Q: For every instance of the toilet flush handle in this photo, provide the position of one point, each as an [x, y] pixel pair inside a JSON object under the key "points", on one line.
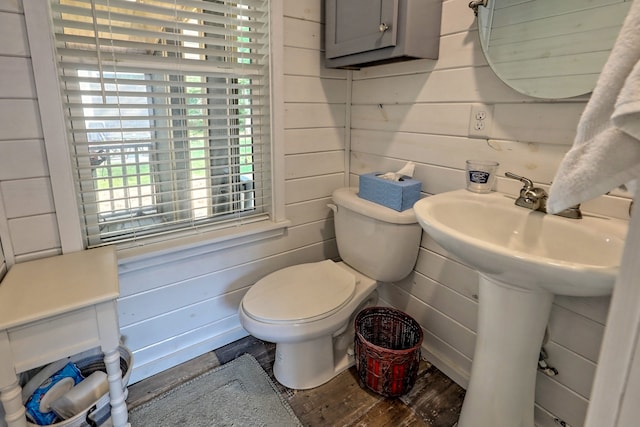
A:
{"points": [[333, 207]]}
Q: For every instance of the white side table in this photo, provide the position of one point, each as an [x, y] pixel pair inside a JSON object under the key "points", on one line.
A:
{"points": [[57, 307]]}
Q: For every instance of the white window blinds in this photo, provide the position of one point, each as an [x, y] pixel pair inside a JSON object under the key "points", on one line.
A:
{"points": [[167, 106]]}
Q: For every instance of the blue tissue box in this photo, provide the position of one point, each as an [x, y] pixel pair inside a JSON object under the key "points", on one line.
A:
{"points": [[398, 195]]}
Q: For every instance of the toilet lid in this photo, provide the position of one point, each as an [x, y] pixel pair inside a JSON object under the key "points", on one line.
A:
{"points": [[304, 292]]}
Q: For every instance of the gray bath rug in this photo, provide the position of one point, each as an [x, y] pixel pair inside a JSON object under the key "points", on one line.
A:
{"points": [[238, 393]]}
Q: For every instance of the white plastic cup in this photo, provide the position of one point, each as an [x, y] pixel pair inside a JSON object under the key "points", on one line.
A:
{"points": [[481, 175]]}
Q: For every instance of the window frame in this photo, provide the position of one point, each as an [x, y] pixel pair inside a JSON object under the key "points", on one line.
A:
{"points": [[41, 43]]}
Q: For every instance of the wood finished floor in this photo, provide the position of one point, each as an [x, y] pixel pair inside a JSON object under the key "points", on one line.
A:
{"points": [[434, 401]]}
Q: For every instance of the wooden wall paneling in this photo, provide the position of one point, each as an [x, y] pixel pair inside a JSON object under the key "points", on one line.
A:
{"points": [[544, 418], [298, 141], [574, 371], [434, 179], [34, 233], [20, 159], [533, 122], [27, 197], [561, 401], [304, 34], [456, 17], [182, 319], [593, 308], [454, 364], [16, 75], [197, 341], [441, 325], [443, 119], [535, 160], [456, 51], [447, 86], [442, 298], [299, 116], [309, 211], [308, 62], [437, 179], [613, 205], [14, 6], [579, 334], [313, 89], [308, 10], [417, 66], [430, 244], [313, 164], [138, 277], [454, 275], [13, 33], [20, 119], [298, 190], [158, 300], [460, 50]]}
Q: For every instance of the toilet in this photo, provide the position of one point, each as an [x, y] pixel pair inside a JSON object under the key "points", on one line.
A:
{"points": [[308, 310]]}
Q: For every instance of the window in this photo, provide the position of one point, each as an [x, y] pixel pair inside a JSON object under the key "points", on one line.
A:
{"points": [[167, 108]]}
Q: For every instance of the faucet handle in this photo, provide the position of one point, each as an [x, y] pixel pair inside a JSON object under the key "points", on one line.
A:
{"points": [[528, 184]]}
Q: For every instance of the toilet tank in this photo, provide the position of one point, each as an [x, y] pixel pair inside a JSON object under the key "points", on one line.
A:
{"points": [[377, 241]]}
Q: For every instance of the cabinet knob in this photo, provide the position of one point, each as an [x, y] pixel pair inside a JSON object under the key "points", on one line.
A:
{"points": [[383, 27]]}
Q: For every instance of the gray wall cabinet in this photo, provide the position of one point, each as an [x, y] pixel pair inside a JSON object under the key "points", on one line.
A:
{"points": [[371, 32]]}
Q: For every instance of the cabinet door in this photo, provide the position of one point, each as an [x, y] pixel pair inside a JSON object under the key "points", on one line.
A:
{"points": [[355, 26]]}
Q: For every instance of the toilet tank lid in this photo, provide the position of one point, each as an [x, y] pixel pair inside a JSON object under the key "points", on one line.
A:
{"points": [[301, 292], [348, 197]]}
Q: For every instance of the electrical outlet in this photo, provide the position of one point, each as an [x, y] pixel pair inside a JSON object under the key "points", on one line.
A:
{"points": [[480, 121]]}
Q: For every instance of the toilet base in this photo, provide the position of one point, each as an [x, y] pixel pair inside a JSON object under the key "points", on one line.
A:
{"points": [[310, 354], [308, 364]]}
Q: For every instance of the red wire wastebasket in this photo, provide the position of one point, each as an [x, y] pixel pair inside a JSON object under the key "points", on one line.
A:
{"points": [[387, 350]]}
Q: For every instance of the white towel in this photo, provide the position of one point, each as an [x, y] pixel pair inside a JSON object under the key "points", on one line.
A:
{"points": [[606, 151]]}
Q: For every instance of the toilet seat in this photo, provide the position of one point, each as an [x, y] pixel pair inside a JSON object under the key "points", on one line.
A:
{"points": [[301, 293]]}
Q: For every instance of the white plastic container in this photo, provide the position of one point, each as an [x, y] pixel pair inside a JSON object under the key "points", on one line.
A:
{"points": [[82, 396], [89, 360]]}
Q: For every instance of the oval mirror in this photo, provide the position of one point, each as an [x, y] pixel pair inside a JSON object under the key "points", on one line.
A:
{"points": [[549, 48]]}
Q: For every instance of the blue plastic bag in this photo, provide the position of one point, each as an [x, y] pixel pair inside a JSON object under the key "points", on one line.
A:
{"points": [[70, 370]]}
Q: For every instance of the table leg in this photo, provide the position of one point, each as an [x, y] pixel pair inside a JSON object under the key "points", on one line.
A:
{"points": [[119, 413], [11, 398]]}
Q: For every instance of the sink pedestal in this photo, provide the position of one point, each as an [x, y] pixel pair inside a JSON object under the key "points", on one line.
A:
{"points": [[511, 327]]}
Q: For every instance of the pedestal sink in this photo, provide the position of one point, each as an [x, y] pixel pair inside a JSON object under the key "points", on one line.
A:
{"points": [[524, 258]]}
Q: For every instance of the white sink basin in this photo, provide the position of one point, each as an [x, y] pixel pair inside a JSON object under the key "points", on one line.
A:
{"points": [[524, 258], [577, 257]]}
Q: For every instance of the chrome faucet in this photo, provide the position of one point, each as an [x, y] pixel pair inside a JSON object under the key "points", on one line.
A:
{"points": [[535, 198]]}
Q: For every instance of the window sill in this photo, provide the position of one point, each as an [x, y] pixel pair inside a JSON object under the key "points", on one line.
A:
{"points": [[150, 252]]}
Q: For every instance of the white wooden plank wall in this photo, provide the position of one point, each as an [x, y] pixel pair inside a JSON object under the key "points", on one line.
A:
{"points": [[28, 227], [181, 305], [420, 111]]}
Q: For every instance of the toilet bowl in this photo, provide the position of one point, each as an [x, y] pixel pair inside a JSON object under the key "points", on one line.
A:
{"points": [[308, 310], [314, 332]]}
